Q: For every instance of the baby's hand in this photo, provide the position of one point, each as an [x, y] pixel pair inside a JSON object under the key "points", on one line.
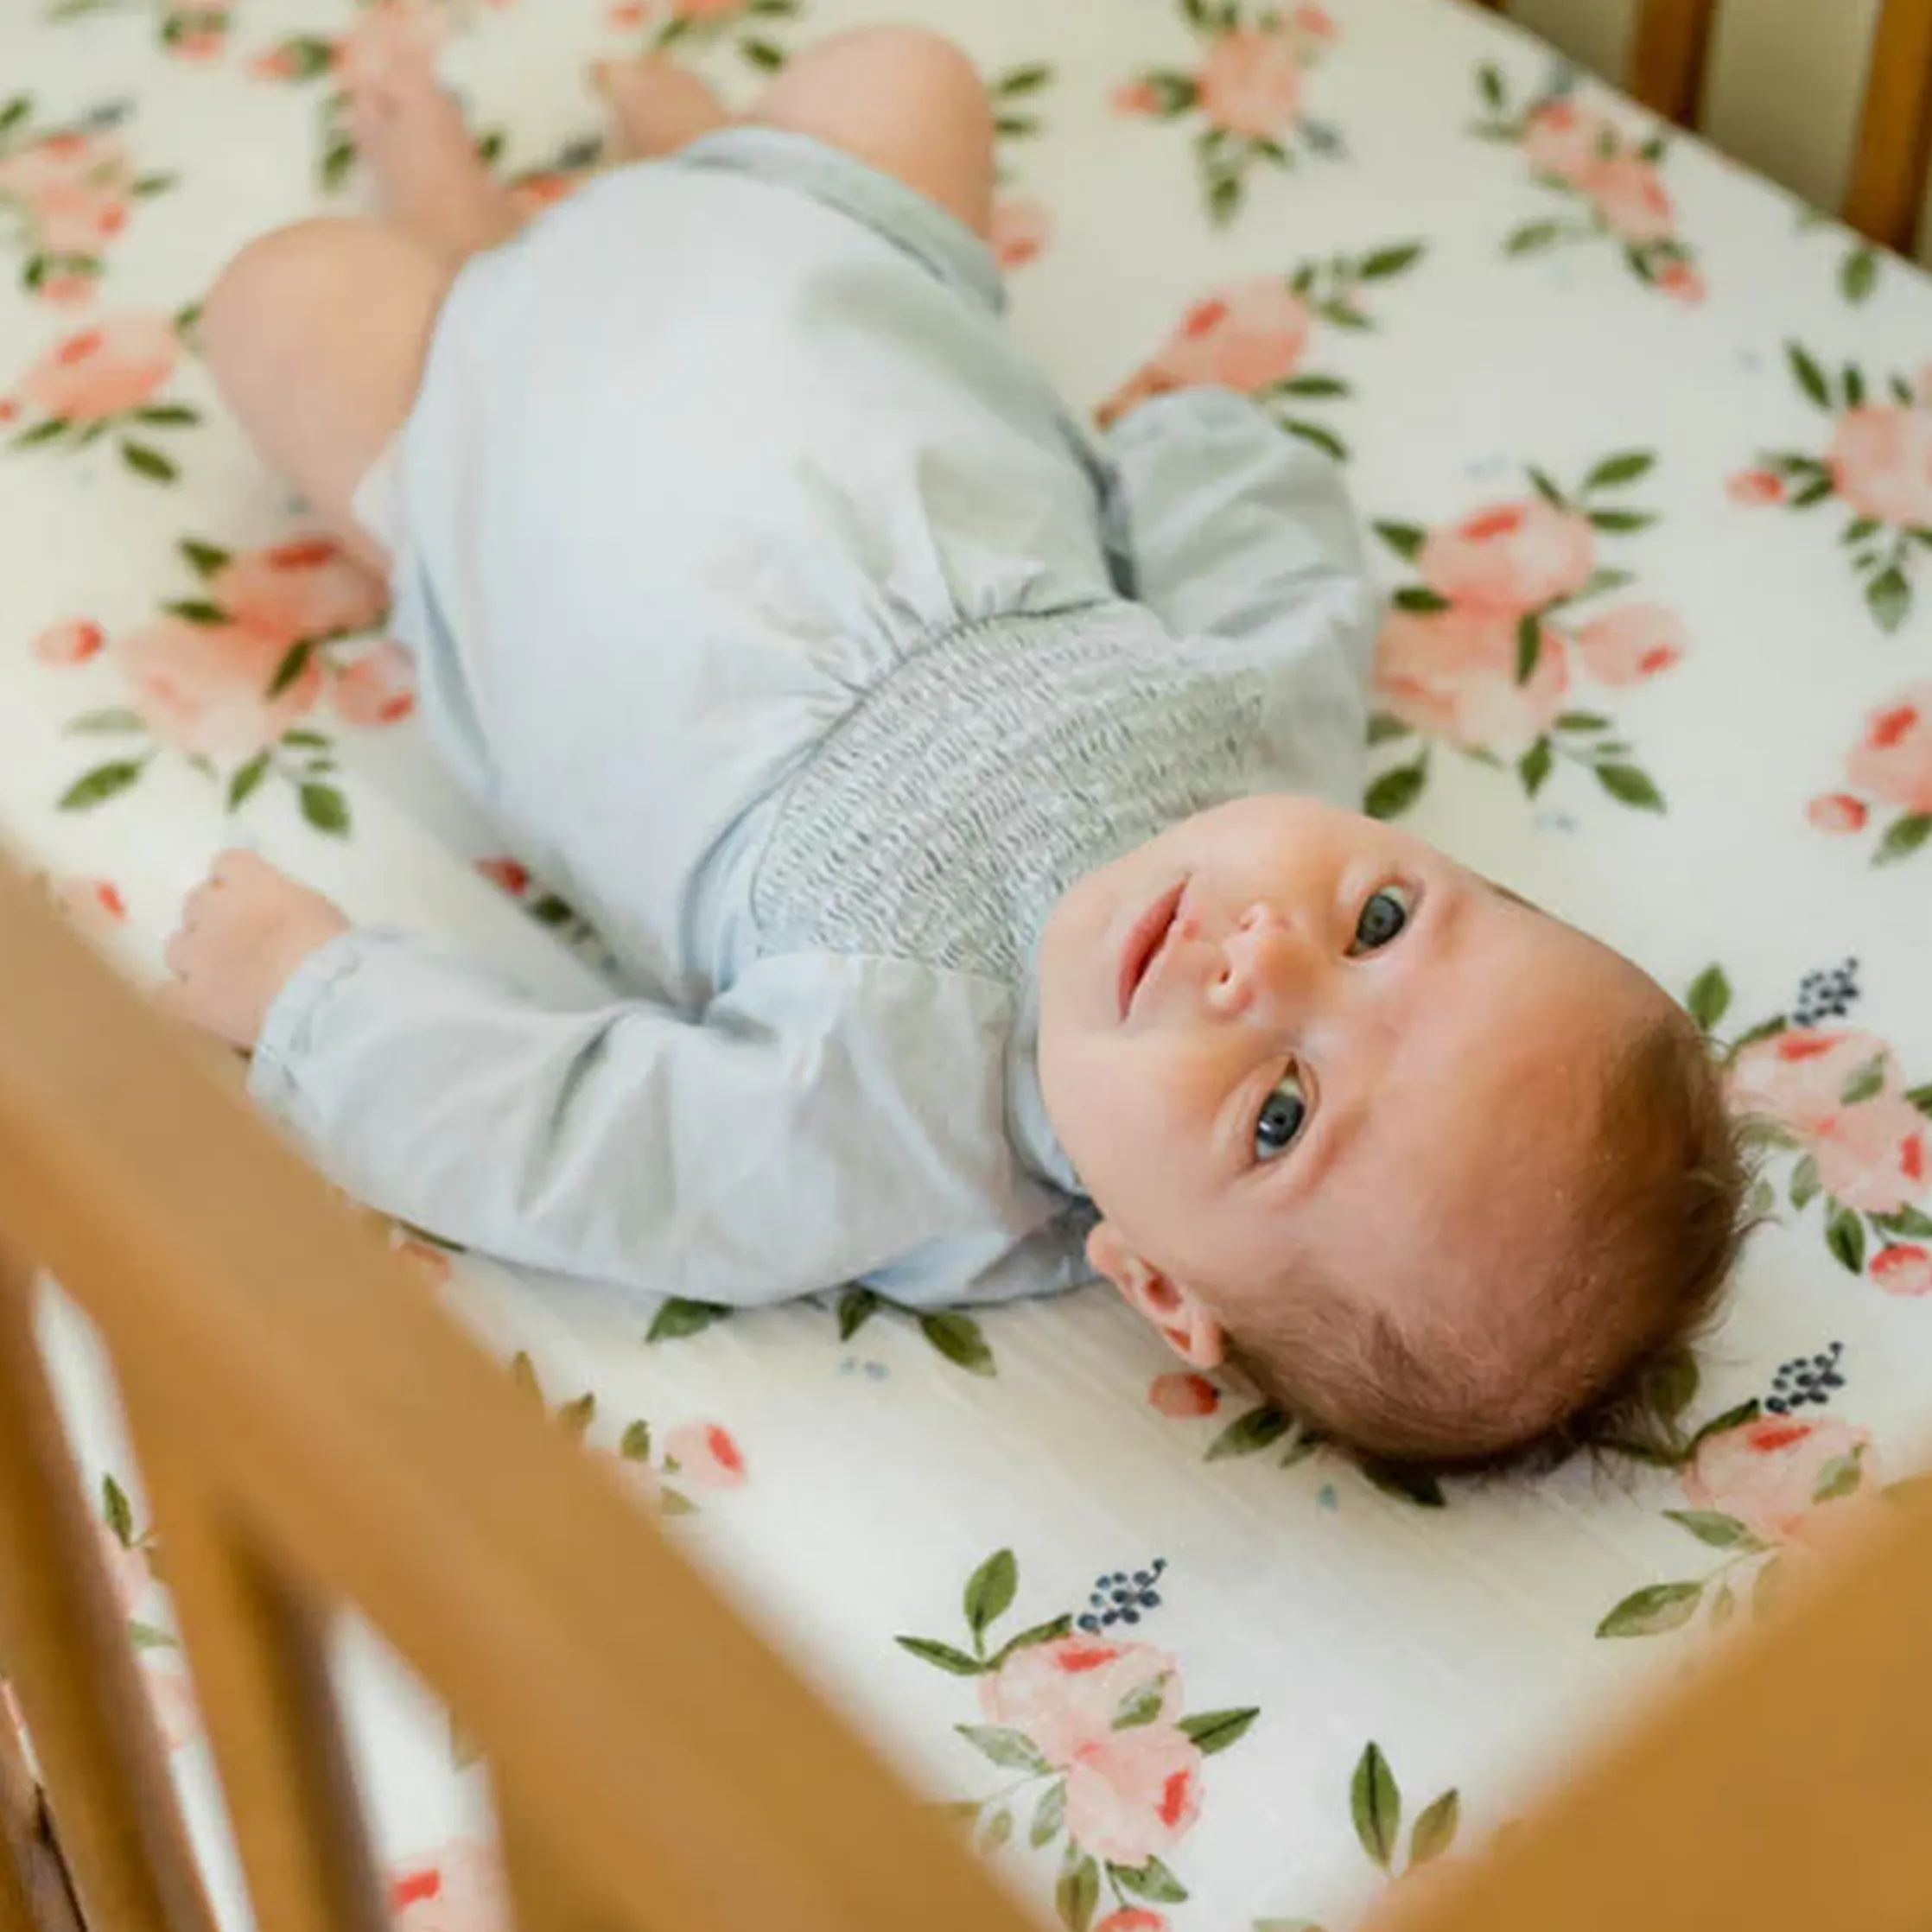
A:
{"points": [[243, 933]]}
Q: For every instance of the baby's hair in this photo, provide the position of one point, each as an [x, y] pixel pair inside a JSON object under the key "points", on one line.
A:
{"points": [[1664, 1207]]}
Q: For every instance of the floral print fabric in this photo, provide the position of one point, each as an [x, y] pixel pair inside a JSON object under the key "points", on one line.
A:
{"points": [[1643, 463]]}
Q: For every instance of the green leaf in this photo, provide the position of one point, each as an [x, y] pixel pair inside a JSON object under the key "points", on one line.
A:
{"points": [[1141, 1705], [1907, 1223], [575, 1417], [146, 462], [146, 1637], [1710, 1526], [1312, 385], [1375, 1802], [1013, 1749], [1845, 1236], [1214, 1731], [1600, 581], [1814, 493], [989, 1592], [856, 1306], [103, 782], [1854, 385], [1382, 727], [325, 808], [958, 1338], [1621, 522], [1858, 275], [1249, 1433], [1734, 1418], [1863, 1082], [196, 610], [1076, 1894], [1530, 645], [1532, 237], [1805, 1183], [930, 1650], [523, 1376], [1903, 836], [204, 559], [1534, 766], [247, 781], [1625, 468], [1053, 1628], [1581, 720], [1223, 199], [1385, 262], [1840, 1476], [1023, 80], [1419, 599], [1406, 1485], [1765, 1029], [1629, 786], [1405, 539], [763, 55], [1652, 1611], [104, 724], [1014, 127], [1152, 1881], [1921, 1097], [117, 1511], [1545, 488], [54, 427], [167, 415], [17, 111], [679, 1317], [634, 1445], [1489, 82], [1434, 1832], [1810, 377], [294, 661], [998, 1829], [1324, 440], [674, 1502], [1709, 999], [1049, 1814], [1394, 792], [1889, 598]]}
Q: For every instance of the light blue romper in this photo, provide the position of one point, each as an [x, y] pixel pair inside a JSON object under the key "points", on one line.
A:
{"points": [[767, 595]]}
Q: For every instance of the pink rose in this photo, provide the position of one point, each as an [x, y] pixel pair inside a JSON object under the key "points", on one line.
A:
{"points": [[1181, 1396], [1251, 83], [1134, 1795], [705, 1454], [1453, 674], [1563, 139], [67, 291], [1874, 1156], [306, 588], [1633, 642], [1682, 282], [1751, 486], [1902, 1270], [703, 10], [1316, 23], [72, 643], [1798, 1077], [1135, 1918], [1837, 811], [1247, 336], [1767, 1473], [1509, 559], [506, 873], [74, 219], [115, 366], [195, 47], [377, 688], [1134, 97], [1893, 759], [1881, 463], [457, 1889], [71, 159], [1021, 229], [274, 63], [204, 687], [1066, 1694], [1630, 197]]}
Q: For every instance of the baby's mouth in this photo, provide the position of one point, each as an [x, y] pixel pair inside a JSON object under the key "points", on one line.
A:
{"points": [[1146, 940]]}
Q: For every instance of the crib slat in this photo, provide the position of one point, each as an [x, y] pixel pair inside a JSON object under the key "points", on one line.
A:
{"points": [[1670, 47], [1887, 189], [74, 1674], [256, 1650], [548, 1897]]}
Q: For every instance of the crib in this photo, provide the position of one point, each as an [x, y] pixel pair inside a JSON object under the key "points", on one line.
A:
{"points": [[652, 1758]]}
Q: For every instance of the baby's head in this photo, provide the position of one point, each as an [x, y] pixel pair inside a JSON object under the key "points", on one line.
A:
{"points": [[1443, 1174]]}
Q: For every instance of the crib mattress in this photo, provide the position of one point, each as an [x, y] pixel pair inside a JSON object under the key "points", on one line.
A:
{"points": [[1648, 453]]}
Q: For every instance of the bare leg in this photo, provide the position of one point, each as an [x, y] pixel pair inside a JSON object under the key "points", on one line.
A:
{"points": [[658, 105]]}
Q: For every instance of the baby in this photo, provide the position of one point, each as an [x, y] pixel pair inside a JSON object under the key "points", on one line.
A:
{"points": [[963, 796]]}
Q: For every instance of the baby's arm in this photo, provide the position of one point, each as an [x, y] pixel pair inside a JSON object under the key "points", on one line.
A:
{"points": [[765, 1152]]}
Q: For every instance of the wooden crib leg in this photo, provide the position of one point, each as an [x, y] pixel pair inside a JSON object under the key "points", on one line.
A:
{"points": [[72, 1670], [1895, 128], [1670, 47]]}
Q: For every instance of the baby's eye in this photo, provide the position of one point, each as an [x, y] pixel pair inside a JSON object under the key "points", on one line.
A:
{"points": [[1383, 916], [1280, 1118]]}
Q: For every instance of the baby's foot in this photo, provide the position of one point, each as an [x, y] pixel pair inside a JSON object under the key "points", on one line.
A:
{"points": [[659, 106], [428, 176]]}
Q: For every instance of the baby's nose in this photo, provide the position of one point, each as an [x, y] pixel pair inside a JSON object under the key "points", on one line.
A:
{"points": [[1259, 962]]}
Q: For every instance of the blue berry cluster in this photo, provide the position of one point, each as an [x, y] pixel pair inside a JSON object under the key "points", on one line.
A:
{"points": [[1122, 1599], [1805, 1378], [1826, 994]]}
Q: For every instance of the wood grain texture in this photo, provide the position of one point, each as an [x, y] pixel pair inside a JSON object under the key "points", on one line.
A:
{"points": [[1670, 49], [1886, 196]]}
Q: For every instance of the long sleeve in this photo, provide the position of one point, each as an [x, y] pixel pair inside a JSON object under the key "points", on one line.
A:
{"points": [[775, 1148]]}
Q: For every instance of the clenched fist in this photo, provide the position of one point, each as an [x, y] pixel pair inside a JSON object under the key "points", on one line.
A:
{"points": [[243, 931]]}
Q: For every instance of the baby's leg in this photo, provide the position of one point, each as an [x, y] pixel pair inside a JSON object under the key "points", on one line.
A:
{"points": [[658, 105], [907, 101]]}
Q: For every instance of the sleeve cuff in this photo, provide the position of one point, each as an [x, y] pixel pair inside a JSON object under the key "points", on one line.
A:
{"points": [[275, 1073]]}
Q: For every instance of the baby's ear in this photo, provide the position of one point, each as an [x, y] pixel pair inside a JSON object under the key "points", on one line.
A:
{"points": [[1185, 1321]]}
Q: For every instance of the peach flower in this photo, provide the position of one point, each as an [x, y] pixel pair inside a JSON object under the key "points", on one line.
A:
{"points": [[67, 291], [94, 905], [1630, 196], [1567, 140], [1837, 811], [377, 688], [115, 366], [1250, 82], [1633, 642], [458, 1888], [1135, 1918], [75, 219], [1021, 228], [204, 687], [71, 643], [1893, 759], [1246, 336], [705, 1454], [1135, 1796], [1509, 559], [1180, 1395], [1317, 22], [1902, 1268], [1881, 463], [1751, 486], [1066, 1695], [1875, 1156], [1682, 282], [1453, 674], [305, 589], [1767, 1473], [1134, 97], [72, 158], [513, 878]]}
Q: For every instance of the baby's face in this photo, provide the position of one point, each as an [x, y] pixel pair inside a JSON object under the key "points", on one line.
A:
{"points": [[1279, 1032]]}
